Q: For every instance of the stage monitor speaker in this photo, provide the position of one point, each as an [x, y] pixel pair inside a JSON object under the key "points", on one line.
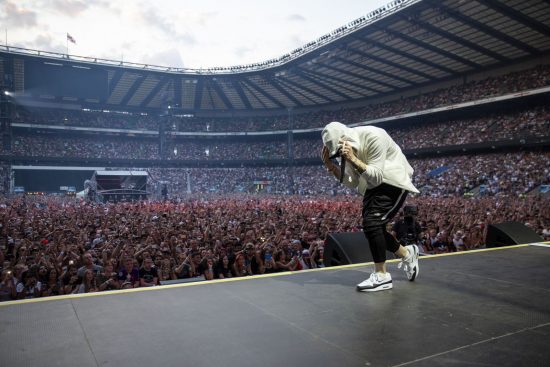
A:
{"points": [[510, 233], [348, 248]]}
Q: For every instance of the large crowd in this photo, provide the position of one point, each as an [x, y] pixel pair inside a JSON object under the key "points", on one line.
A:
{"points": [[473, 90], [302, 180], [52, 245], [58, 246], [216, 150], [219, 223], [493, 174], [528, 123], [84, 147], [458, 223], [87, 118]]}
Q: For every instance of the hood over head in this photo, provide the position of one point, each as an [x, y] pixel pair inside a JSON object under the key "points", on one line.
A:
{"points": [[335, 131]]}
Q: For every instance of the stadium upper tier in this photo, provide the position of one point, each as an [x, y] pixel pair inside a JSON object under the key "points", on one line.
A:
{"points": [[532, 78], [401, 47]]}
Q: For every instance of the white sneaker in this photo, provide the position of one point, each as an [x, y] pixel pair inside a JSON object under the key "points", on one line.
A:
{"points": [[376, 282], [410, 265]]}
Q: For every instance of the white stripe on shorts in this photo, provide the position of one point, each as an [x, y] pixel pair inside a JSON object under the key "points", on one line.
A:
{"points": [[396, 203]]}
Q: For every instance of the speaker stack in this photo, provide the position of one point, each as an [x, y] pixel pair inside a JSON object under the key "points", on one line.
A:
{"points": [[348, 248], [353, 247], [510, 233]]}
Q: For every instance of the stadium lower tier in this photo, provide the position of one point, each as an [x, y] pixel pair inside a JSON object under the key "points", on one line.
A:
{"points": [[493, 174], [510, 174]]}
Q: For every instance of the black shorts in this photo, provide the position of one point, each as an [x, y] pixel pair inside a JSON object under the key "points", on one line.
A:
{"points": [[381, 204]]}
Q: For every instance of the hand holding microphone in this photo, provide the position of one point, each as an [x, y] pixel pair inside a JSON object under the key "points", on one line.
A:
{"points": [[348, 154], [344, 155], [346, 150]]}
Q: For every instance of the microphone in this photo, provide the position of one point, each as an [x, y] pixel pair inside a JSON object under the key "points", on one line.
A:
{"points": [[342, 168], [342, 163]]}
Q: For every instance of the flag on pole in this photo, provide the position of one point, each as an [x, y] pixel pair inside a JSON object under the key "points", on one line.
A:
{"points": [[70, 38]]}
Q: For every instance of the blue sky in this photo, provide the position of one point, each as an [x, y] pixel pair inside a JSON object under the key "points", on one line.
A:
{"points": [[191, 34]]}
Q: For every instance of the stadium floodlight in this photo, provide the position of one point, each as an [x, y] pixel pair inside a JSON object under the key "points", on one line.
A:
{"points": [[6, 93]]}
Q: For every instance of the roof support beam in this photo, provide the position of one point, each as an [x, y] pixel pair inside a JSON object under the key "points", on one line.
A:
{"points": [[222, 95], [396, 65], [199, 90], [304, 88], [345, 82], [321, 84], [517, 16], [254, 86], [112, 84], [276, 85], [289, 85], [236, 84], [409, 56], [373, 70], [356, 75], [332, 77], [484, 28], [177, 91], [461, 41], [165, 80], [137, 84]]}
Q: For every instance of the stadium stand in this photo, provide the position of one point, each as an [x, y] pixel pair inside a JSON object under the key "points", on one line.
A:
{"points": [[514, 82]]}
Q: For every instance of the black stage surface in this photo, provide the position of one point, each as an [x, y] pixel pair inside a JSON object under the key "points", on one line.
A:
{"points": [[475, 308]]}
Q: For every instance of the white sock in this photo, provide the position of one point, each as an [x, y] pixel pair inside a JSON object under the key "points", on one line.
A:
{"points": [[409, 256]]}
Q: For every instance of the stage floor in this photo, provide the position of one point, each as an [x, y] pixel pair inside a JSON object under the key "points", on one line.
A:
{"points": [[490, 307]]}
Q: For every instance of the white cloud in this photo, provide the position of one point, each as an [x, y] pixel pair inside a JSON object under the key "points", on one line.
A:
{"points": [[13, 16], [296, 18], [44, 42], [71, 8], [243, 51]]}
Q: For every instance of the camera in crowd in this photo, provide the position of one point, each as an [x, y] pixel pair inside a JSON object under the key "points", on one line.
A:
{"points": [[408, 230], [410, 210]]}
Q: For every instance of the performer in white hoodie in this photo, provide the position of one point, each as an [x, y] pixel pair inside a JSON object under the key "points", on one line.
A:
{"points": [[373, 163]]}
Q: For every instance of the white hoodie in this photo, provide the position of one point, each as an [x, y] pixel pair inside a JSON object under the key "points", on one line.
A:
{"points": [[374, 147]]}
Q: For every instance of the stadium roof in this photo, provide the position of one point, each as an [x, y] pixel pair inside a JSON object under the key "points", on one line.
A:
{"points": [[404, 45]]}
